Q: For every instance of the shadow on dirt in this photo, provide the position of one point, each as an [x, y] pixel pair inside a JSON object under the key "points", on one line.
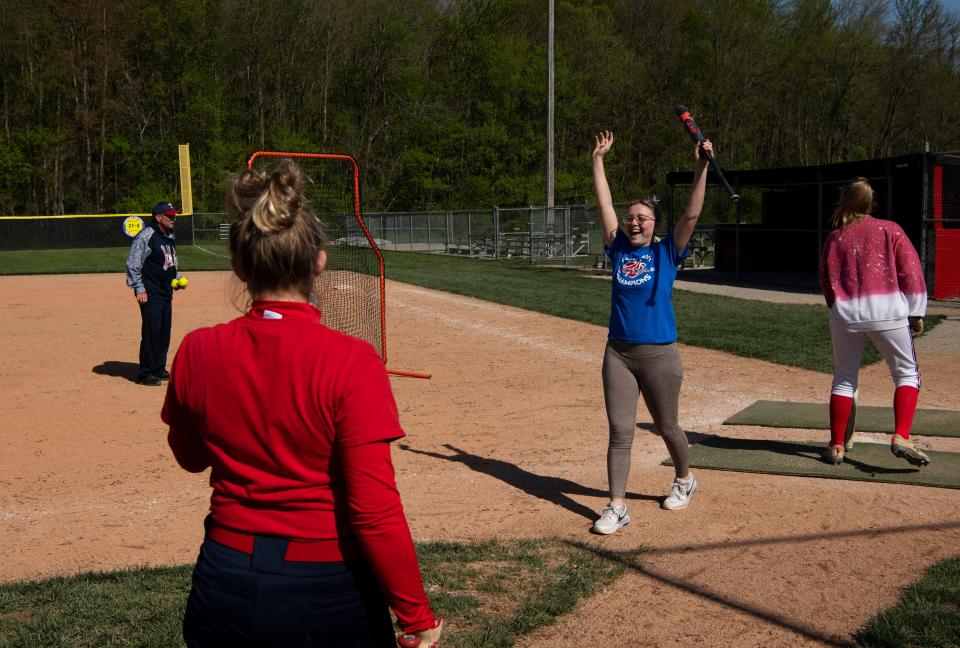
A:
{"points": [[117, 369], [555, 490], [635, 561]]}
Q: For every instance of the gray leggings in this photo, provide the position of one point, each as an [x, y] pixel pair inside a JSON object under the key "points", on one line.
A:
{"points": [[656, 372]]}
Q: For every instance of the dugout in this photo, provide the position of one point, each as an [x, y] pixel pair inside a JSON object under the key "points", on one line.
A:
{"points": [[778, 226]]}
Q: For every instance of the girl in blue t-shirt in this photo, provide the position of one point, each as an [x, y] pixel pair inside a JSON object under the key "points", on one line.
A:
{"points": [[641, 357]]}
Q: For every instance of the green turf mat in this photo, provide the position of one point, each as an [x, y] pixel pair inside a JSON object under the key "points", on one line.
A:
{"points": [[784, 414], [866, 462]]}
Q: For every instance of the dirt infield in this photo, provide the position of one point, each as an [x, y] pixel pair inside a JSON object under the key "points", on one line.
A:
{"points": [[507, 440]]}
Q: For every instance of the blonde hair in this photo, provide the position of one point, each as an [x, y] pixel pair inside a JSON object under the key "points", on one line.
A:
{"points": [[275, 236], [854, 204]]}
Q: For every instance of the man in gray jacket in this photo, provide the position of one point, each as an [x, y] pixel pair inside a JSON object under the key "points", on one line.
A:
{"points": [[151, 267]]}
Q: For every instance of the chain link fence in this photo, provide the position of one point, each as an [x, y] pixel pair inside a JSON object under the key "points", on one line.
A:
{"points": [[774, 231], [536, 233], [568, 234]]}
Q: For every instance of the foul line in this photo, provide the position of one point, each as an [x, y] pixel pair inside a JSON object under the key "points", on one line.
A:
{"points": [[468, 302], [492, 330], [209, 252], [74, 509]]}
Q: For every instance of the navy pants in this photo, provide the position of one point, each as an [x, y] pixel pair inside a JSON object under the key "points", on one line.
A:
{"points": [[156, 317], [262, 600]]}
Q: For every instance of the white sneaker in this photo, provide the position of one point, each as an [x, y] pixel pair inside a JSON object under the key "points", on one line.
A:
{"points": [[680, 493], [612, 518]]}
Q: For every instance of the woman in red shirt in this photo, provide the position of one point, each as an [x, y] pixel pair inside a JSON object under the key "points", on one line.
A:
{"points": [[306, 541]]}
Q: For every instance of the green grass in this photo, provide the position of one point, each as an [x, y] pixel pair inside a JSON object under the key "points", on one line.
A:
{"points": [[789, 334], [490, 593], [142, 607], [927, 615], [493, 592], [796, 335]]}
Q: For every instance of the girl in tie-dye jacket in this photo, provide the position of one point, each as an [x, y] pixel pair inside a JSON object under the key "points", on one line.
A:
{"points": [[872, 281]]}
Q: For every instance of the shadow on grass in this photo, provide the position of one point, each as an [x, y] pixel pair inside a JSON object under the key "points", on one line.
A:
{"points": [[555, 490], [804, 450], [118, 369]]}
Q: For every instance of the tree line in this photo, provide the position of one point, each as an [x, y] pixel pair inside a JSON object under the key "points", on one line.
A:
{"points": [[443, 102]]}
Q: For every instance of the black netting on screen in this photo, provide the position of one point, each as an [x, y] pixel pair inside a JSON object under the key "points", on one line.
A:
{"points": [[941, 232], [350, 291]]}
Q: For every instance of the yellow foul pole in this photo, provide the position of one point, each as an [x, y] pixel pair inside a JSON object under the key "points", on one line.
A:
{"points": [[186, 188]]}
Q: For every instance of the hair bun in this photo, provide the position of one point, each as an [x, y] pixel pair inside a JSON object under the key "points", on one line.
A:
{"points": [[272, 202], [275, 235]]}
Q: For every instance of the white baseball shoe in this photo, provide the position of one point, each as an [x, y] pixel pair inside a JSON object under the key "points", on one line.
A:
{"points": [[612, 519], [680, 493]]}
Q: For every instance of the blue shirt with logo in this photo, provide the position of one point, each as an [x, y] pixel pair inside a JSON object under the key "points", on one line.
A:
{"points": [[640, 308]]}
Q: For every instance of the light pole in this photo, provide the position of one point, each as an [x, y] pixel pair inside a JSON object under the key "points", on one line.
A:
{"points": [[550, 212]]}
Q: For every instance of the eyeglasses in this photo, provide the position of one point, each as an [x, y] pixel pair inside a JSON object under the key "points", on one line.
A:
{"points": [[638, 219]]}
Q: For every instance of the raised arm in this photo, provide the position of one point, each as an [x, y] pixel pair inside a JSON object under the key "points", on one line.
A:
{"points": [[683, 230], [608, 217]]}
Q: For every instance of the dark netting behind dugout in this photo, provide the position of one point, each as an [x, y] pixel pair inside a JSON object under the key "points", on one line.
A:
{"points": [[350, 292], [941, 231]]}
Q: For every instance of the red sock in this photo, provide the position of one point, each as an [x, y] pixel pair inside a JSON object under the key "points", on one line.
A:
{"points": [[904, 406], [839, 415]]}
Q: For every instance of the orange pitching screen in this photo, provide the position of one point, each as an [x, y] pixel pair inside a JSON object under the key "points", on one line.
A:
{"points": [[350, 293]]}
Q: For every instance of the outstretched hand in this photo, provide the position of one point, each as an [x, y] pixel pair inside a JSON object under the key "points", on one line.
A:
{"points": [[602, 143]]}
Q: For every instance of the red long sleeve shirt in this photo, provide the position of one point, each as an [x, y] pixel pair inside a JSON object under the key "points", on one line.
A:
{"points": [[295, 421]]}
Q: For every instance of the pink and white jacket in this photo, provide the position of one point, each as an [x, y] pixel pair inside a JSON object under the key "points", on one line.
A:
{"points": [[871, 276]]}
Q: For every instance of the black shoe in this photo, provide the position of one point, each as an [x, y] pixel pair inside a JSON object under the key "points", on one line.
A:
{"points": [[163, 374], [149, 380]]}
